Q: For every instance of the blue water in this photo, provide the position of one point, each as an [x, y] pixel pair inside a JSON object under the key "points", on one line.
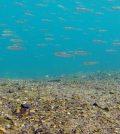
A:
{"points": [[41, 37]]}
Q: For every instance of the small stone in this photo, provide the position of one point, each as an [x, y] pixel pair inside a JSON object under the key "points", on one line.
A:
{"points": [[111, 92], [32, 111], [117, 130], [8, 126], [0, 102], [60, 132], [10, 91], [68, 113], [74, 131], [92, 129], [18, 100], [24, 132], [38, 130], [106, 109], [26, 106], [95, 104], [2, 130]]}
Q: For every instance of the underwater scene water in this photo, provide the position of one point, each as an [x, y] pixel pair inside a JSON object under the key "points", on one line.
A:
{"points": [[56, 37], [59, 66]]}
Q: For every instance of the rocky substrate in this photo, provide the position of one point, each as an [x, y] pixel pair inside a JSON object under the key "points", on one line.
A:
{"points": [[80, 105]]}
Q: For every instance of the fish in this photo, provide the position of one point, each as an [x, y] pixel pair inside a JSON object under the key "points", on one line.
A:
{"points": [[90, 63], [63, 54], [15, 47]]}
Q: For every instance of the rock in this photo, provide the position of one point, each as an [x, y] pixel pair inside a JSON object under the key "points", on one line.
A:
{"points": [[111, 92], [1, 103], [74, 131], [106, 109], [95, 104], [24, 132], [26, 106], [38, 130], [55, 80], [60, 132], [2, 131], [8, 126], [10, 91]]}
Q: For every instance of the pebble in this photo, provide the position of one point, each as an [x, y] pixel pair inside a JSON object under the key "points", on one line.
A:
{"points": [[8, 126], [26, 106], [38, 130]]}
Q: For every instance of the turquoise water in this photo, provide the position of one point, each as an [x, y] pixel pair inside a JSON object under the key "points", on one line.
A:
{"points": [[56, 37]]}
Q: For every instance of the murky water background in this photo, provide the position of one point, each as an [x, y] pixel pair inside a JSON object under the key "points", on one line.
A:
{"points": [[57, 37]]}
